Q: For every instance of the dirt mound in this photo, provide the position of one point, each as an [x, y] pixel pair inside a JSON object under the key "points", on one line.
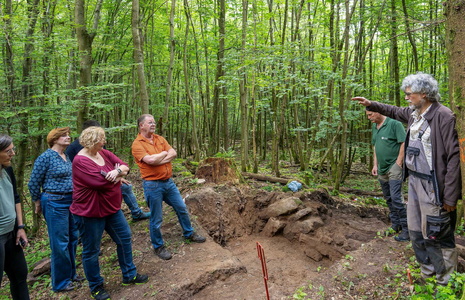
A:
{"points": [[314, 221], [304, 235]]}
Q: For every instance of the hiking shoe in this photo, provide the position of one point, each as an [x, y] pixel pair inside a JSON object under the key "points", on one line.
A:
{"points": [[138, 279], [79, 278], [99, 293], [196, 238], [163, 253], [69, 287], [403, 236], [142, 216]]}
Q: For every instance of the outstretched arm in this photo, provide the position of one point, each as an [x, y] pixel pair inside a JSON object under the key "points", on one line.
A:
{"points": [[362, 100]]}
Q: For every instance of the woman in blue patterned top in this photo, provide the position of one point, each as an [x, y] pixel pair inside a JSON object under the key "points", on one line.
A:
{"points": [[51, 189]]}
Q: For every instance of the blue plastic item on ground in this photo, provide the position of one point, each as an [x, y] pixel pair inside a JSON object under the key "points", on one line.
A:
{"points": [[294, 186]]}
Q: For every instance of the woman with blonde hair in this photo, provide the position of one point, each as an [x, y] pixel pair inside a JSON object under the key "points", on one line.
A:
{"points": [[51, 189], [97, 197]]}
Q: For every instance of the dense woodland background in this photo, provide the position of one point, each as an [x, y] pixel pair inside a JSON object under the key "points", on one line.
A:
{"points": [[265, 80]]}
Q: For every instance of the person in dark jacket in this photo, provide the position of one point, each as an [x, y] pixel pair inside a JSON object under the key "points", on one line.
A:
{"points": [[432, 163], [12, 235]]}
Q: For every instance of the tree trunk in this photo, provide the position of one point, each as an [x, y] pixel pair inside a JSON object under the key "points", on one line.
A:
{"points": [[169, 75], [410, 37], [243, 92], [206, 105], [218, 88], [139, 57], [266, 178], [187, 87], [299, 145], [342, 98], [222, 36], [23, 95], [27, 94], [274, 103], [455, 42], [85, 40], [394, 56]]}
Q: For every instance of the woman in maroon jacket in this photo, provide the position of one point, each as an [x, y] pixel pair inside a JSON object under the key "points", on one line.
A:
{"points": [[96, 206]]}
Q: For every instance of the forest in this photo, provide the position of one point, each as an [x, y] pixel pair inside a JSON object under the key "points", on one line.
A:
{"points": [[267, 82]]}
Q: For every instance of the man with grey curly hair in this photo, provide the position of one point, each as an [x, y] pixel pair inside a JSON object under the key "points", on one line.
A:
{"points": [[422, 83], [432, 162]]}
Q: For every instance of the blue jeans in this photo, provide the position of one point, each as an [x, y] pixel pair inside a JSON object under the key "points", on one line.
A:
{"points": [[91, 230], [63, 236], [130, 199], [157, 191]]}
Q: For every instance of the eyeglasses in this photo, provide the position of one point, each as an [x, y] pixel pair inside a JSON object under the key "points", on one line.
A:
{"points": [[409, 94], [11, 151]]}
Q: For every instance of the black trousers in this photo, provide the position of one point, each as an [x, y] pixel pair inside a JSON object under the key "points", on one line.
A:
{"points": [[13, 262]]}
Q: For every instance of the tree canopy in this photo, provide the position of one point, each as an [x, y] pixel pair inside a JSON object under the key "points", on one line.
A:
{"points": [[269, 79]]}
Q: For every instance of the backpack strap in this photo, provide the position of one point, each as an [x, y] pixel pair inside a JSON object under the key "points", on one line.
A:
{"points": [[423, 128]]}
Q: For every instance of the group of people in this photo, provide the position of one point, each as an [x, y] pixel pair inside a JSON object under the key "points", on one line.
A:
{"points": [[78, 187], [431, 161], [80, 193]]}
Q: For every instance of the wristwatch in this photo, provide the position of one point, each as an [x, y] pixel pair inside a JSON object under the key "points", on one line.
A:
{"points": [[119, 170], [21, 226]]}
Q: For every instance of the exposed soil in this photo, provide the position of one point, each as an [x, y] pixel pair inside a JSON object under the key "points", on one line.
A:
{"points": [[310, 239], [327, 247]]}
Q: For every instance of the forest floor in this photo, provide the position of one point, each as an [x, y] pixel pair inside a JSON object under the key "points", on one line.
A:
{"points": [[324, 247]]}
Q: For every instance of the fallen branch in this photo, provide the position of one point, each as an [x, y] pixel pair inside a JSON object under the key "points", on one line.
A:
{"points": [[266, 178], [357, 192], [287, 180]]}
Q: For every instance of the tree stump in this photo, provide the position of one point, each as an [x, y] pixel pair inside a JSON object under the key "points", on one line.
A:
{"points": [[218, 170]]}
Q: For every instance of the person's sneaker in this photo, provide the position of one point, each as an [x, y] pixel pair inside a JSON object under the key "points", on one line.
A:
{"points": [[70, 287], [138, 279], [142, 216], [403, 236], [196, 238], [79, 278], [99, 293], [163, 253]]}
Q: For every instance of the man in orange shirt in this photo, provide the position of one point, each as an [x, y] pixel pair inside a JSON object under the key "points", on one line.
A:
{"points": [[153, 155]]}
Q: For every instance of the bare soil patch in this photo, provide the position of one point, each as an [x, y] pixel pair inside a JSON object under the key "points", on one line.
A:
{"points": [[309, 238]]}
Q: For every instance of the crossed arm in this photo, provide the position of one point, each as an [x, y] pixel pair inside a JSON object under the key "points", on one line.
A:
{"points": [[160, 158]]}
